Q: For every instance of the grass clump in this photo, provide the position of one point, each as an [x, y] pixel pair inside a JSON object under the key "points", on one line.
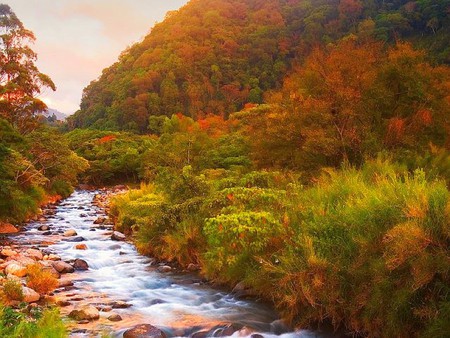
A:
{"points": [[40, 279]]}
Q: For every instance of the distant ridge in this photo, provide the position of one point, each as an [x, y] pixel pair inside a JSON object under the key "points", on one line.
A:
{"points": [[59, 116]]}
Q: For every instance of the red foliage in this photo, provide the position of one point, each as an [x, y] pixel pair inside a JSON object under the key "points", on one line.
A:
{"points": [[107, 138]]}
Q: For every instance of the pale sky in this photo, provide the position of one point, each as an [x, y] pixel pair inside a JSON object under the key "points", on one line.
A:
{"points": [[77, 39]]}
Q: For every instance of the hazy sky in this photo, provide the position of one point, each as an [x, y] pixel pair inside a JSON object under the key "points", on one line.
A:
{"points": [[76, 39]]}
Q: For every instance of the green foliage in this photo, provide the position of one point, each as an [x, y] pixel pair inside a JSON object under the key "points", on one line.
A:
{"points": [[33, 166], [34, 324], [235, 241], [112, 156]]}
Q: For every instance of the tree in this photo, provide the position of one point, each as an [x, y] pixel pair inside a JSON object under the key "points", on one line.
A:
{"points": [[20, 80]]}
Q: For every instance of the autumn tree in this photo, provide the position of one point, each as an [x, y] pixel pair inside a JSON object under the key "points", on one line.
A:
{"points": [[20, 80]]}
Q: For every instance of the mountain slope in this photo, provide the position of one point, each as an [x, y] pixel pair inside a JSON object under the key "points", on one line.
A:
{"points": [[213, 56]]}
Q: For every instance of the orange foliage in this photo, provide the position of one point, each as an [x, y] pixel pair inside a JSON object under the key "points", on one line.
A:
{"points": [[107, 138]]}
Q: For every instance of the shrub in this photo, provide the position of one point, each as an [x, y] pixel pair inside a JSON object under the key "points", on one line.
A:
{"points": [[40, 279], [12, 290]]}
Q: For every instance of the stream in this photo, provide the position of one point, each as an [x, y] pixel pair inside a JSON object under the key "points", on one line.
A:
{"points": [[121, 280]]}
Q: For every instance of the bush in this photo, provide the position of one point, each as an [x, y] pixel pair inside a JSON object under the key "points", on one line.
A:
{"points": [[40, 279], [12, 290], [33, 324]]}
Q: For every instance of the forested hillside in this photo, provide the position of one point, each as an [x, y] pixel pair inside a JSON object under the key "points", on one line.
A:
{"points": [[213, 56]]}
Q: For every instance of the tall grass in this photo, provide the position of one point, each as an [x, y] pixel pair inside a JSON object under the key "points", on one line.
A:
{"points": [[364, 248]]}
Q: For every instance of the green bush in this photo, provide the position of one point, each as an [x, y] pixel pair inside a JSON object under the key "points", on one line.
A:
{"points": [[36, 323]]}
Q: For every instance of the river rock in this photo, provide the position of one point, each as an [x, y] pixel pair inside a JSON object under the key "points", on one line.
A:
{"points": [[53, 257], [100, 220], [44, 227], [164, 268], [64, 282], [88, 312], [75, 239], [23, 260], [35, 254], [8, 252], [81, 246], [118, 236], [29, 295], [144, 331], [63, 267], [80, 264], [16, 269], [7, 228], [114, 317], [120, 305], [193, 267], [63, 303], [70, 233]]}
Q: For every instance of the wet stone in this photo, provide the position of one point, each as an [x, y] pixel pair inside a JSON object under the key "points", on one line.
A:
{"points": [[63, 303], [114, 317], [63, 267], [43, 227], [118, 236], [144, 331], [120, 305], [80, 264], [164, 269], [75, 239], [69, 233]]}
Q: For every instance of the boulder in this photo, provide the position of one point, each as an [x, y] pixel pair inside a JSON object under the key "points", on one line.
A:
{"points": [[120, 305], [23, 260], [114, 317], [8, 252], [80, 264], [144, 331], [75, 239], [63, 267], [29, 295], [63, 303], [7, 228], [87, 312], [64, 282], [100, 220], [118, 236], [70, 233], [53, 257], [164, 268], [44, 227], [35, 254], [16, 269]]}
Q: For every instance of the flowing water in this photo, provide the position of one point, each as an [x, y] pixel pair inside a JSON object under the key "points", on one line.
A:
{"points": [[178, 303]]}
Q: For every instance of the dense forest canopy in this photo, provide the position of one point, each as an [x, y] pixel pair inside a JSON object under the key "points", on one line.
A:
{"points": [[213, 56]]}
